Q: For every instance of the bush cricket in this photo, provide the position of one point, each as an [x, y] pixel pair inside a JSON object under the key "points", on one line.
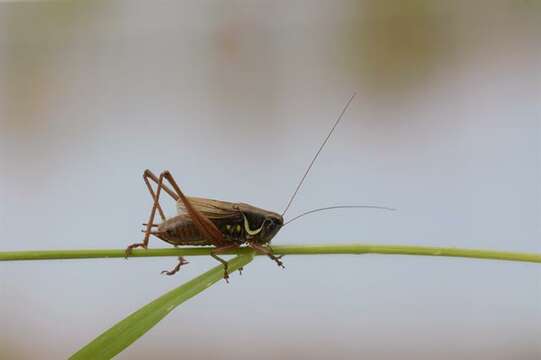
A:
{"points": [[224, 225]]}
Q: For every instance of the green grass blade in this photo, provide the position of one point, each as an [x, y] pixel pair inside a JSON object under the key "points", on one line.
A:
{"points": [[278, 250], [125, 332]]}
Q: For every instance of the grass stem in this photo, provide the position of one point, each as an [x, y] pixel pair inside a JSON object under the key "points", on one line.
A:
{"points": [[279, 250]]}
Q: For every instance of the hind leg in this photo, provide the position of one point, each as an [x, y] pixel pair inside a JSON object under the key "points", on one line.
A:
{"points": [[147, 176]]}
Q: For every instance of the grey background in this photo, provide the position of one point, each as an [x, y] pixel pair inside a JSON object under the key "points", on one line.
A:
{"points": [[234, 98]]}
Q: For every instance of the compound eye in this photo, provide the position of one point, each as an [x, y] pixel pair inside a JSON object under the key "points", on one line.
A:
{"points": [[270, 223]]}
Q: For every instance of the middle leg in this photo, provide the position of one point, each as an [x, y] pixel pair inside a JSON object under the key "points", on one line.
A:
{"points": [[220, 250]]}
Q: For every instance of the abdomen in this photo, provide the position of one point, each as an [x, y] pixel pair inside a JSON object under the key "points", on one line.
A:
{"points": [[180, 230]]}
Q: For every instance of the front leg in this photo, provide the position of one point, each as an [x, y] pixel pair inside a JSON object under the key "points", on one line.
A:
{"points": [[266, 251]]}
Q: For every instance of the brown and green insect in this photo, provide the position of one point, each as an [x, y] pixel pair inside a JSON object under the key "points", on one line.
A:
{"points": [[224, 225]]}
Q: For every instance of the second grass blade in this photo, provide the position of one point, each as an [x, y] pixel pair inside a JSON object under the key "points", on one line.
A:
{"points": [[125, 332]]}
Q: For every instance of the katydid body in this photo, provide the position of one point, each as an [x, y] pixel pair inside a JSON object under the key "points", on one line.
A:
{"points": [[203, 222], [239, 223]]}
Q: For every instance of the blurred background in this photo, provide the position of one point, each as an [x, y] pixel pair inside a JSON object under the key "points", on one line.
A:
{"points": [[234, 98]]}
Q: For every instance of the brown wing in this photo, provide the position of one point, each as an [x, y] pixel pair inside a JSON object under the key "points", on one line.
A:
{"points": [[213, 209]]}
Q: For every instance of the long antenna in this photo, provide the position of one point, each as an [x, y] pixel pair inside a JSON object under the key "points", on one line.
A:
{"points": [[317, 154], [338, 207]]}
